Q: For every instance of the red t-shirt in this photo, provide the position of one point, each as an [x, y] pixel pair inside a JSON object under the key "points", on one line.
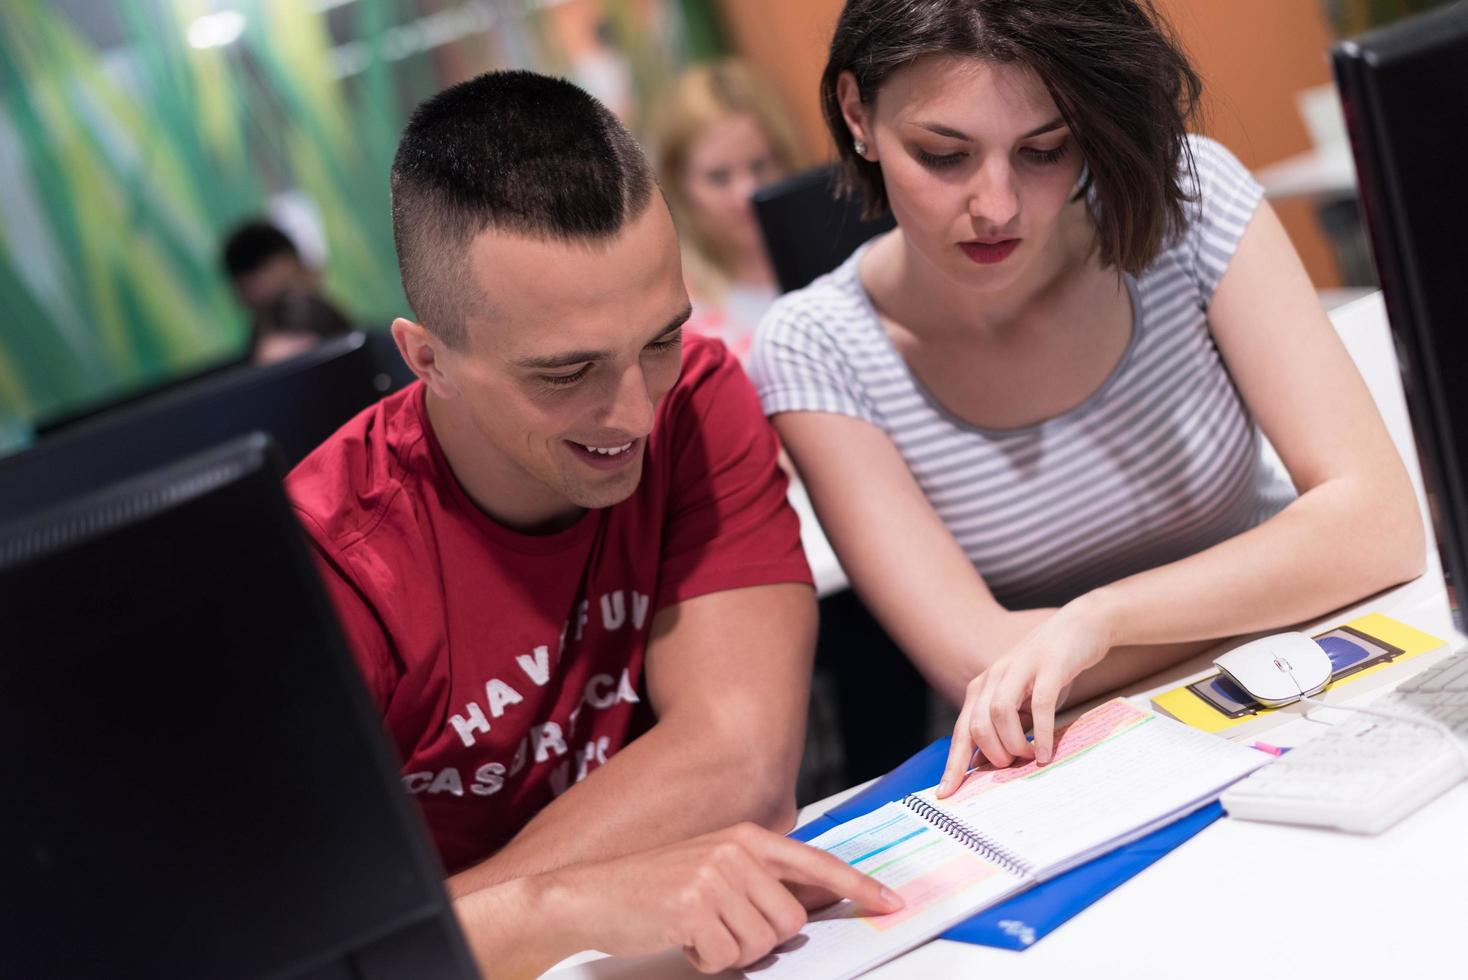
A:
{"points": [[507, 666]]}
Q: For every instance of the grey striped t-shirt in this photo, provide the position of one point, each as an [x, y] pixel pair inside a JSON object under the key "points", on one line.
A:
{"points": [[1162, 461]]}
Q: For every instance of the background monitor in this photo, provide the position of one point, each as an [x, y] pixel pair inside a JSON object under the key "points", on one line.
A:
{"points": [[808, 231], [1405, 93], [298, 402], [50, 425], [197, 784], [392, 372]]}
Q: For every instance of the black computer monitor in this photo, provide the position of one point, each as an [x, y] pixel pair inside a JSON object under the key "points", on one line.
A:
{"points": [[392, 372], [48, 426], [299, 402], [1405, 93], [196, 783], [808, 230]]}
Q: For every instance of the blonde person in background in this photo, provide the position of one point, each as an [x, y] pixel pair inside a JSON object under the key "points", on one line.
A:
{"points": [[1029, 416], [720, 136]]}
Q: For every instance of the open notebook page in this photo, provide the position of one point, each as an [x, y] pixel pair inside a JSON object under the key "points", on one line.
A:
{"points": [[1119, 773]]}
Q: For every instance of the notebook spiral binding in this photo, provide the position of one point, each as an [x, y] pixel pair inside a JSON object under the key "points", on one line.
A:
{"points": [[969, 837]]}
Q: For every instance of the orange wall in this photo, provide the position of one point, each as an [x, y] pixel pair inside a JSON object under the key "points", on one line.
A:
{"points": [[787, 40], [1253, 56]]}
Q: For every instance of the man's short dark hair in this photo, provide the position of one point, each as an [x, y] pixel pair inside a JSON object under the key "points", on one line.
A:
{"points": [[252, 244], [511, 151]]}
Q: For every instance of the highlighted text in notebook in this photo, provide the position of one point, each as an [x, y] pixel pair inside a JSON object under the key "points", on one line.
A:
{"points": [[1090, 730]]}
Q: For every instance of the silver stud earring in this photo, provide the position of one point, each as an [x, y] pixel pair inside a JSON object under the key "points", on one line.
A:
{"points": [[859, 147]]}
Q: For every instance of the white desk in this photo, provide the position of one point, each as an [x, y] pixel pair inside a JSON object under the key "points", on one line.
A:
{"points": [[1249, 897]]}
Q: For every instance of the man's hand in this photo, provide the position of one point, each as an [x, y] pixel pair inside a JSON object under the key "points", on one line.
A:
{"points": [[726, 899]]}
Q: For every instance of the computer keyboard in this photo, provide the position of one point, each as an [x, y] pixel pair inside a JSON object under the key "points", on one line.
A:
{"points": [[1368, 772]]}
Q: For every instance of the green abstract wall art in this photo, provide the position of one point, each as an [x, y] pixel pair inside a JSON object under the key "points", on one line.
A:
{"points": [[135, 133]]}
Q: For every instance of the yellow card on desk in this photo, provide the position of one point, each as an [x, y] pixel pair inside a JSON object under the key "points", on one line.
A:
{"points": [[1368, 651]]}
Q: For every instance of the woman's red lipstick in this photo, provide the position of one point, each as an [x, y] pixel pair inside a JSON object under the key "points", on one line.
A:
{"points": [[987, 253]]}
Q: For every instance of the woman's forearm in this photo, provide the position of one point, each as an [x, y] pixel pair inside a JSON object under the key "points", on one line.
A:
{"points": [[1333, 546]]}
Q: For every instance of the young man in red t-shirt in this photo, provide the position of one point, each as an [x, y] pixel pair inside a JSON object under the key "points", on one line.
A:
{"points": [[564, 560]]}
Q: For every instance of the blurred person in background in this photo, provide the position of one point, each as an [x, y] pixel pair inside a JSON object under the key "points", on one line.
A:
{"points": [[291, 323], [262, 262], [720, 136], [280, 293]]}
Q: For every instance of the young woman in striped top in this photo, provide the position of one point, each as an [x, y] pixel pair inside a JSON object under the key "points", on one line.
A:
{"points": [[1029, 416]]}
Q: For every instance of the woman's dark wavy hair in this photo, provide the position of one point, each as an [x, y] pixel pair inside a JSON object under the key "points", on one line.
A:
{"points": [[1119, 78]]}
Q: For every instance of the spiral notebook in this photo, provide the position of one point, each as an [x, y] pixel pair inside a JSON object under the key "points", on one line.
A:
{"points": [[1119, 773]]}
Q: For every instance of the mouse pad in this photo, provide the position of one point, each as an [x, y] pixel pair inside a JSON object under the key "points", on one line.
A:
{"points": [[1367, 652], [1350, 652]]}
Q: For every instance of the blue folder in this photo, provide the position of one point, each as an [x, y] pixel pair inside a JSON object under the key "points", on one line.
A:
{"points": [[1028, 917]]}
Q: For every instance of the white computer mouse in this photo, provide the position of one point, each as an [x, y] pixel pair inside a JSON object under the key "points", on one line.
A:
{"points": [[1278, 669]]}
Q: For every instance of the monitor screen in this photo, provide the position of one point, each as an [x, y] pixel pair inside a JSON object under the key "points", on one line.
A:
{"points": [[50, 425], [808, 230], [1405, 94], [197, 784], [298, 402]]}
